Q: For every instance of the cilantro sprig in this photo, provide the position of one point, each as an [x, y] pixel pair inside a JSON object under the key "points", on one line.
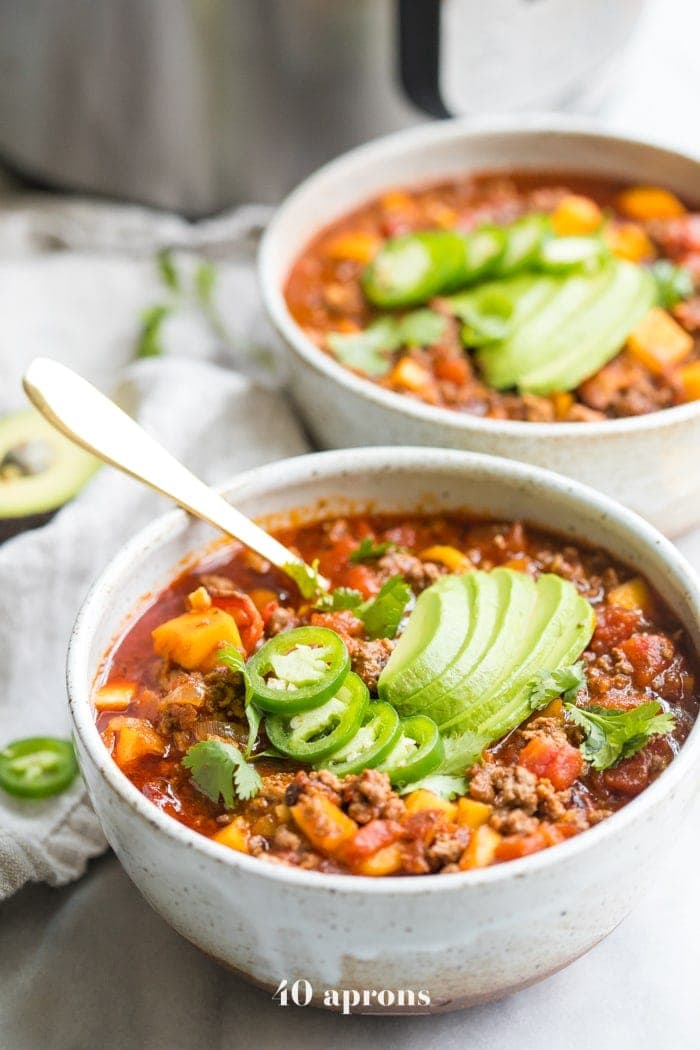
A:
{"points": [[231, 657], [566, 682], [370, 351], [307, 578], [612, 735], [368, 550], [220, 771], [381, 615]]}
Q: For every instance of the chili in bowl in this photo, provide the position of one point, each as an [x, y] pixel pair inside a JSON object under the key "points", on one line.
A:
{"points": [[487, 288], [399, 776]]}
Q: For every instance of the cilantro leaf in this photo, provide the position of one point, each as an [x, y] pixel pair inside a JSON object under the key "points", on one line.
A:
{"points": [[382, 615], [673, 283], [149, 342], [340, 598], [370, 351], [220, 771], [205, 282], [563, 681], [307, 578], [231, 657], [612, 735], [168, 270], [421, 328], [367, 351], [441, 784], [369, 550]]}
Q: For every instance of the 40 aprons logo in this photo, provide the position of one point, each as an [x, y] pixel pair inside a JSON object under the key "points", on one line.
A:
{"points": [[301, 992]]}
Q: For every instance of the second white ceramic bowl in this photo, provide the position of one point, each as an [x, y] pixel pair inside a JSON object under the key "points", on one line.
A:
{"points": [[647, 462], [461, 938]]}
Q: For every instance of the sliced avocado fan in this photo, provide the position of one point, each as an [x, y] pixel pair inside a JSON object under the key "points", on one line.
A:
{"points": [[581, 322], [40, 470], [513, 628]]}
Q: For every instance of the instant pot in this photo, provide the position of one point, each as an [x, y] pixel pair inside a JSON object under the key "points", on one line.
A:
{"points": [[193, 105]]}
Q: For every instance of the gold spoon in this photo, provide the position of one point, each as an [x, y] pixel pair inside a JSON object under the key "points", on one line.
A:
{"points": [[91, 420]]}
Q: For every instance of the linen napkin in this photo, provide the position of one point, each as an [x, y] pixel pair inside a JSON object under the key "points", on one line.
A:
{"points": [[75, 280]]}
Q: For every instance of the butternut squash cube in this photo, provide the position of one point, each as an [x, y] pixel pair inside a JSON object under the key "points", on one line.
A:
{"points": [[633, 594], [134, 738], [629, 241], [325, 825], [649, 202], [689, 376], [234, 836], [360, 246], [562, 402], [410, 375], [454, 559], [422, 799], [191, 640], [659, 342], [386, 861], [576, 215], [481, 850], [114, 696], [472, 814]]}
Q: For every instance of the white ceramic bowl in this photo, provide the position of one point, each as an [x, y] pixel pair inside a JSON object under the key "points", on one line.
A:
{"points": [[463, 938], [648, 462]]}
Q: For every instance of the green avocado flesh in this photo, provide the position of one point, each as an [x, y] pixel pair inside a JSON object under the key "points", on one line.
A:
{"points": [[40, 470], [579, 323], [512, 629]]}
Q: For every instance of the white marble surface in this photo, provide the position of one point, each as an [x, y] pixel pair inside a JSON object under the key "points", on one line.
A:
{"points": [[92, 966]]}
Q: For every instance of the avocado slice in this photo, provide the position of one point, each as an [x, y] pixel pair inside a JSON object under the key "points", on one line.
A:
{"points": [[591, 340], [481, 676], [574, 332], [40, 470], [541, 334], [561, 626], [435, 633]]}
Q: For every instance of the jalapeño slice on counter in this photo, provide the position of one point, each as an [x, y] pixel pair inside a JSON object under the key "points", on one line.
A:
{"points": [[312, 735], [37, 767], [416, 753], [298, 670], [370, 745]]}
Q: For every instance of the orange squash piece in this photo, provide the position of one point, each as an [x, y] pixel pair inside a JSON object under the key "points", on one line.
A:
{"points": [[234, 836], [689, 376], [422, 799], [134, 738], [472, 814], [191, 640], [649, 202], [575, 216], [386, 861], [659, 342], [633, 594], [325, 825], [481, 850]]}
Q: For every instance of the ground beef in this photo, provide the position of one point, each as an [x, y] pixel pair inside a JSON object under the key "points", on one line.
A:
{"points": [[225, 694], [552, 804], [447, 848], [418, 574], [504, 786], [320, 782], [281, 620], [218, 586], [285, 839], [626, 388], [369, 796], [179, 708], [545, 728], [513, 822], [369, 657]]}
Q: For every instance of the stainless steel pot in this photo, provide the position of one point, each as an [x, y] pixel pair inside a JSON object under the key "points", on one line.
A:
{"points": [[197, 104]]}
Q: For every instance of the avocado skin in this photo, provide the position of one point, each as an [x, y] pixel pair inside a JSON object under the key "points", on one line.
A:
{"points": [[10, 527]]}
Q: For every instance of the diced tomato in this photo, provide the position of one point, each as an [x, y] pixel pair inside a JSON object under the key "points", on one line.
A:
{"points": [[423, 825], [370, 838], [453, 369], [559, 763], [362, 579], [343, 622], [628, 777], [514, 846], [614, 624], [649, 654], [248, 620]]}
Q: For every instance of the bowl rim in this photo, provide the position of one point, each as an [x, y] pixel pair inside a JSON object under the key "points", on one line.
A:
{"points": [[425, 135], [332, 464]]}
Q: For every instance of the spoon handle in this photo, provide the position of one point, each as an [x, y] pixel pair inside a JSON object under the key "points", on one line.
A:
{"points": [[91, 420]]}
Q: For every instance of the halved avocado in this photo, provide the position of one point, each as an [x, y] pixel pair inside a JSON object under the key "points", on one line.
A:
{"points": [[40, 470]]}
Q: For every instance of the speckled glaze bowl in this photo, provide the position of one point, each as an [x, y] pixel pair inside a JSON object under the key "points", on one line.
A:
{"points": [[647, 462], [462, 938]]}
